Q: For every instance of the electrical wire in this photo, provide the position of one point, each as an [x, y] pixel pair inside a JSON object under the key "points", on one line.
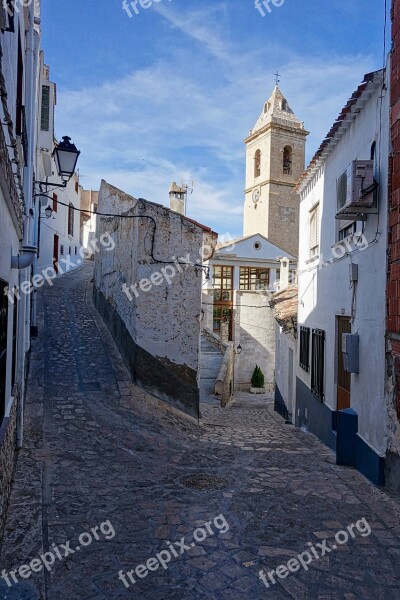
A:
{"points": [[152, 219]]}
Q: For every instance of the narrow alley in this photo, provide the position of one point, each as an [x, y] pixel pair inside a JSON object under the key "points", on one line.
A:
{"points": [[100, 450]]}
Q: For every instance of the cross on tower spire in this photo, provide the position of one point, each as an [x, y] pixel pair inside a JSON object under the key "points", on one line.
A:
{"points": [[277, 77]]}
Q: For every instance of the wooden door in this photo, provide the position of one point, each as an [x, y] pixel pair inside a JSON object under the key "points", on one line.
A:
{"points": [[55, 253], [343, 378]]}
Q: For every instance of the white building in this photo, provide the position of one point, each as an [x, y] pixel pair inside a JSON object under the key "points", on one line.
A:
{"points": [[342, 281], [19, 47], [244, 274], [60, 236]]}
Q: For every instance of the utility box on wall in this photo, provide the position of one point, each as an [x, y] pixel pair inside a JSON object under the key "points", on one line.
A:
{"points": [[351, 352]]}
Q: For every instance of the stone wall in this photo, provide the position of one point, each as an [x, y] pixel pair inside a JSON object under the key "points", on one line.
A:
{"points": [[7, 457], [147, 295]]}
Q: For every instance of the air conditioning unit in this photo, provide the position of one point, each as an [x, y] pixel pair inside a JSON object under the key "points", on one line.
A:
{"points": [[356, 187]]}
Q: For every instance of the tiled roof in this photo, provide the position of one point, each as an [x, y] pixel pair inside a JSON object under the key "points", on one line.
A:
{"points": [[285, 307]]}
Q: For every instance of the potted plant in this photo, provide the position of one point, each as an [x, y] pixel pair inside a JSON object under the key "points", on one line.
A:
{"points": [[257, 382]]}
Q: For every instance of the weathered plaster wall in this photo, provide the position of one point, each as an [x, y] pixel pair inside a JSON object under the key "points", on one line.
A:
{"points": [[161, 312], [254, 328], [285, 373]]}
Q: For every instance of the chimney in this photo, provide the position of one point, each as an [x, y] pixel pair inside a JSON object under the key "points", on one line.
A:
{"points": [[177, 198], [284, 280]]}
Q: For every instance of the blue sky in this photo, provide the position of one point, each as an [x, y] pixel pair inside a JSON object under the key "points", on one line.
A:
{"points": [[171, 92]]}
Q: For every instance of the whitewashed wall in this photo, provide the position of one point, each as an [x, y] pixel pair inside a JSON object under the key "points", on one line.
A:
{"points": [[325, 293]]}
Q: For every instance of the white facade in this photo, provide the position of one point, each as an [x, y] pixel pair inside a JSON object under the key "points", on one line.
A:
{"points": [[326, 293], [19, 47], [246, 304], [60, 236]]}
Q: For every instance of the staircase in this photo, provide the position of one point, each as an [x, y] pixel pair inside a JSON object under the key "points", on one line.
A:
{"points": [[210, 363]]}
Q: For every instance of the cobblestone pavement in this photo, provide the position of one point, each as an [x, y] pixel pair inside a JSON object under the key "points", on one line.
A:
{"points": [[98, 449]]}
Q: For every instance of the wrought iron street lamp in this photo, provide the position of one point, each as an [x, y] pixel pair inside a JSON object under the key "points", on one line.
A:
{"points": [[66, 156]]}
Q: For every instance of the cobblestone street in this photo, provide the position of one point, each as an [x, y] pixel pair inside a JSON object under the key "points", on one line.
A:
{"points": [[97, 449]]}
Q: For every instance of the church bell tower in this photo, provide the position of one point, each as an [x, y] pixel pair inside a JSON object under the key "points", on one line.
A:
{"points": [[275, 160]]}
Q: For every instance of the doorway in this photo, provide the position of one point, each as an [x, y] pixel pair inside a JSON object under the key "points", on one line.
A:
{"points": [[343, 378]]}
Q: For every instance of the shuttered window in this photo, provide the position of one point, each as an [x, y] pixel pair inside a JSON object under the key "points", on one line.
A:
{"points": [[305, 348], [318, 363], [314, 231], [45, 115]]}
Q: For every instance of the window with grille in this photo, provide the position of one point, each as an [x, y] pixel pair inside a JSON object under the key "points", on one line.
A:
{"points": [[55, 198], [62, 250], [314, 231], [304, 360], [71, 219], [223, 284], [252, 278], [318, 363], [3, 345], [45, 114]]}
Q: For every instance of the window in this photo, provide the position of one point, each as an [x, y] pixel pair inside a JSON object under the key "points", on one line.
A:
{"points": [[287, 160], [252, 278], [223, 284], [45, 114], [71, 219], [95, 208], [257, 164], [318, 363], [69, 251], [76, 186], [284, 105], [55, 198], [304, 360], [62, 250], [346, 229], [373, 151], [314, 231], [3, 345], [76, 250], [223, 297]]}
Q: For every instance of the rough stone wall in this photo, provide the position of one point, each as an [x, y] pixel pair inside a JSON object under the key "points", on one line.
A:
{"points": [[393, 287], [255, 332], [7, 456], [156, 320]]}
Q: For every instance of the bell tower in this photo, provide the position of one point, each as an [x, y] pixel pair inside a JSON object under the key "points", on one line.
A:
{"points": [[275, 160]]}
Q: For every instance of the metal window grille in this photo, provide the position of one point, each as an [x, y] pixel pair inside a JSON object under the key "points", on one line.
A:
{"points": [[305, 348], [45, 115], [318, 363], [3, 345]]}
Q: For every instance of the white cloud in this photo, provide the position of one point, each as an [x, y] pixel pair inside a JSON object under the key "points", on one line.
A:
{"points": [[167, 121]]}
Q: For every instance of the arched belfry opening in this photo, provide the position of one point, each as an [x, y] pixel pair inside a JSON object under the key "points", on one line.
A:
{"points": [[257, 163], [287, 160]]}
